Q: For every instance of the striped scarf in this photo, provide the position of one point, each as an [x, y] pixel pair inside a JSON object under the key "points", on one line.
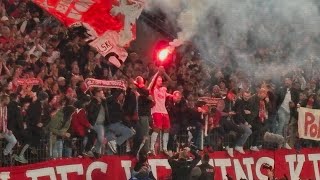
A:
{"points": [[263, 114], [3, 118]]}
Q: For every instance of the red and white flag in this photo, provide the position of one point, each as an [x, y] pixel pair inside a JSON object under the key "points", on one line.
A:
{"points": [[111, 23]]}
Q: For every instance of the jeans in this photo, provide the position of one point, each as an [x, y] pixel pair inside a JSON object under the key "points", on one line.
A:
{"points": [[118, 132], [99, 129], [272, 123], [284, 118], [243, 131], [245, 135], [12, 141], [57, 149]]}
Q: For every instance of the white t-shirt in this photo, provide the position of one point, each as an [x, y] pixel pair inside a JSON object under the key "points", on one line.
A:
{"points": [[159, 96], [287, 99]]}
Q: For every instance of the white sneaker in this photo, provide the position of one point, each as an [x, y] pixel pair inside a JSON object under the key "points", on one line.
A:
{"points": [[113, 146], [229, 151], [20, 159], [152, 153], [89, 154], [239, 149], [254, 148], [167, 153], [128, 148], [287, 146]]}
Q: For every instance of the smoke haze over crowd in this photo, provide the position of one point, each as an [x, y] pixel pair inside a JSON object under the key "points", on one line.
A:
{"points": [[257, 34]]}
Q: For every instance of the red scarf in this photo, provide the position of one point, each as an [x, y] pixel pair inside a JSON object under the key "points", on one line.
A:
{"points": [[263, 114]]}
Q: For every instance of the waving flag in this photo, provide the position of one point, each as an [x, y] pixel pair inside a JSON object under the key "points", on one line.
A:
{"points": [[110, 23]]}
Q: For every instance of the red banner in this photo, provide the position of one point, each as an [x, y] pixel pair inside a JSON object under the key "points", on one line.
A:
{"points": [[294, 165], [111, 23]]}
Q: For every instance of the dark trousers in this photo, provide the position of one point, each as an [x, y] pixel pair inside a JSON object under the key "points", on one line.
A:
{"points": [[258, 131], [242, 131], [178, 135], [92, 135], [36, 133], [142, 132], [23, 136]]}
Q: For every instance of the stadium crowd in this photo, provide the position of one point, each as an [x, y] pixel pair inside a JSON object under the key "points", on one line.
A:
{"points": [[158, 100]]}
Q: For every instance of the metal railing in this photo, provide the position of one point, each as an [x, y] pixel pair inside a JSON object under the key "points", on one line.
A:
{"points": [[44, 151]]}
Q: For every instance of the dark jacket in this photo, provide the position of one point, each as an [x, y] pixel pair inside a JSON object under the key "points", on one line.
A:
{"points": [[241, 116], [15, 119], [294, 98], [93, 110], [177, 111], [144, 103], [281, 93], [38, 114], [207, 172], [181, 168], [116, 113], [130, 103]]}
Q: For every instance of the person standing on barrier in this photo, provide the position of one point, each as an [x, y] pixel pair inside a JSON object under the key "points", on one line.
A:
{"points": [[228, 124], [260, 119], [59, 126], [246, 111], [143, 108], [81, 127], [288, 98], [177, 109], [161, 121], [38, 116], [117, 133], [98, 116], [181, 163], [18, 125], [5, 132]]}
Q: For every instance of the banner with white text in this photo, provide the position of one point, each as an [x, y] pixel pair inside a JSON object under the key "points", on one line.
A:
{"points": [[302, 165], [309, 124]]}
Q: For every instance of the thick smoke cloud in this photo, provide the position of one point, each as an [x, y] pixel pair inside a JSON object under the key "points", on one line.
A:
{"points": [[245, 32]]}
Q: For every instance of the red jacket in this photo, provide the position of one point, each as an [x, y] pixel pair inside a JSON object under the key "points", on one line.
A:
{"points": [[80, 123]]}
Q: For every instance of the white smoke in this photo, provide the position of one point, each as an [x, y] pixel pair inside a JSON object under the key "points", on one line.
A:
{"points": [[290, 28]]}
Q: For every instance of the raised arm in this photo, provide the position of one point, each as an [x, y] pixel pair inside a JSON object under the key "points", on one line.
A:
{"points": [[153, 80], [163, 72]]}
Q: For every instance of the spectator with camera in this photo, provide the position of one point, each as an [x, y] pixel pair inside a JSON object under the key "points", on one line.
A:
{"points": [[182, 164], [142, 170], [204, 171]]}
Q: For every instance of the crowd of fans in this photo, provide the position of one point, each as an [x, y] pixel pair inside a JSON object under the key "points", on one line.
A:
{"points": [[35, 45]]}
